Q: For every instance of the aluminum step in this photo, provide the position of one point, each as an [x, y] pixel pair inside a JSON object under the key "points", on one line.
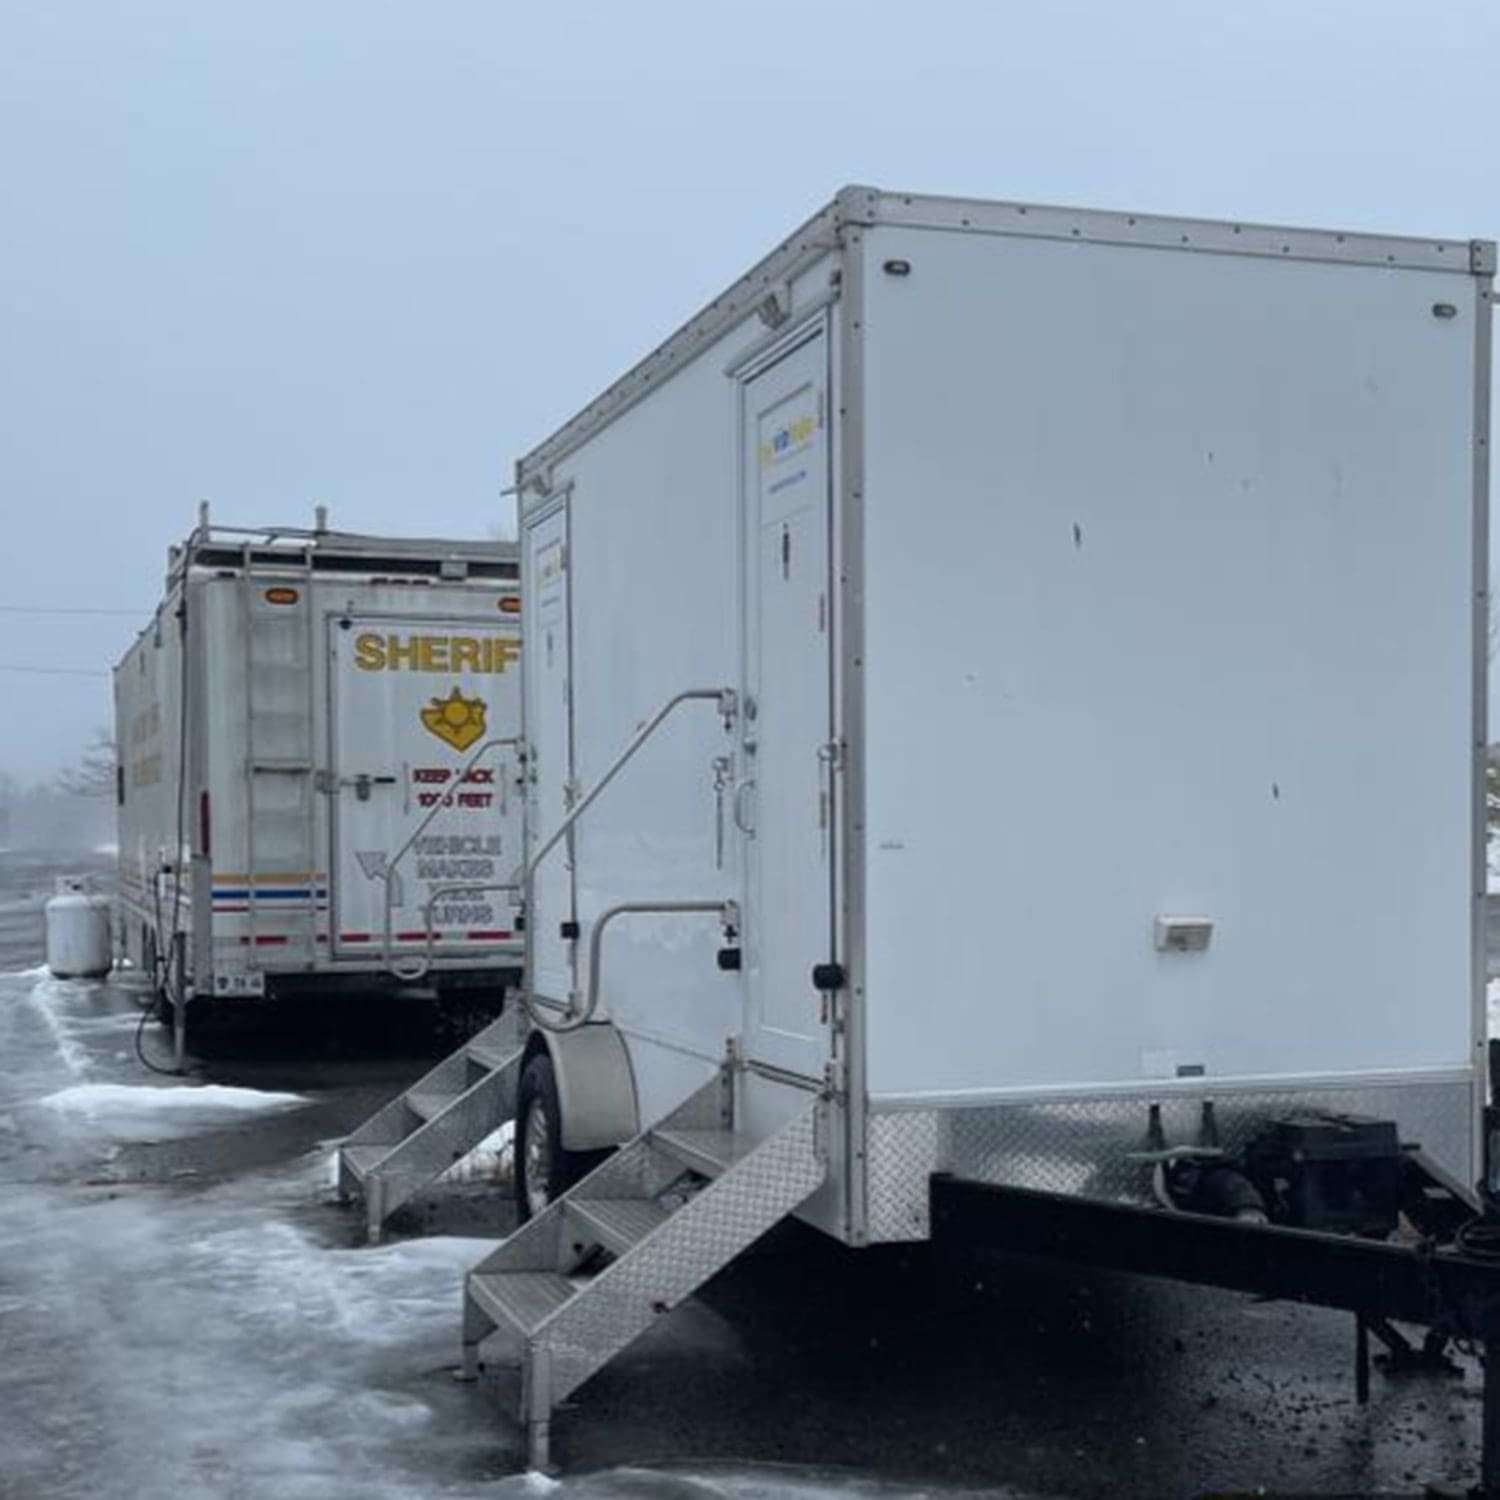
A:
{"points": [[396, 1153], [361, 1160], [618, 1224], [572, 1327], [710, 1152], [522, 1300], [487, 1054], [427, 1103]]}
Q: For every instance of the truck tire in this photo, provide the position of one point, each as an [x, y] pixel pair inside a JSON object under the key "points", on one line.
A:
{"points": [[544, 1168]]}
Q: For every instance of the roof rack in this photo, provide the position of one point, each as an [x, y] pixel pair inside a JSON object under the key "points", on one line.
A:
{"points": [[211, 546]]}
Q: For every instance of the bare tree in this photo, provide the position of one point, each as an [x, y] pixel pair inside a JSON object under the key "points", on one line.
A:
{"points": [[94, 775], [10, 794]]}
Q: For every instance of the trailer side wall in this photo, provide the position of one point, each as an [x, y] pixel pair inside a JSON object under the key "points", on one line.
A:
{"points": [[654, 568]]}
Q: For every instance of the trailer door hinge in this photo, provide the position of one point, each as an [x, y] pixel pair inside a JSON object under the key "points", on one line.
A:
{"points": [[833, 1078]]}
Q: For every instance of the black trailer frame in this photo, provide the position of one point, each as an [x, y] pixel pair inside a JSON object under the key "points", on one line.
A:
{"points": [[1445, 1279]]}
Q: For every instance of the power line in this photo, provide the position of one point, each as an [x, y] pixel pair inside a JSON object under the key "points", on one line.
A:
{"points": [[6, 666], [65, 609]]}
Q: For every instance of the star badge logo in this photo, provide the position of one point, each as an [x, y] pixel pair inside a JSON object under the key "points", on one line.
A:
{"points": [[456, 720]]}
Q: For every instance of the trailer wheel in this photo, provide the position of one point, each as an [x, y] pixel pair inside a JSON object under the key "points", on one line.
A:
{"points": [[544, 1168]]}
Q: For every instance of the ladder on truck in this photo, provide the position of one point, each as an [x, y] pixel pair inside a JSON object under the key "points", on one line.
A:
{"points": [[637, 1236], [438, 1120], [281, 853]]}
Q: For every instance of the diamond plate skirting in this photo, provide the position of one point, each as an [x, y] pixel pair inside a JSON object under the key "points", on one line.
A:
{"points": [[1082, 1146]]}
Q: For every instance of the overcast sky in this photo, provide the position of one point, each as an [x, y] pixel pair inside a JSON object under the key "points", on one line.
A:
{"points": [[280, 251]]}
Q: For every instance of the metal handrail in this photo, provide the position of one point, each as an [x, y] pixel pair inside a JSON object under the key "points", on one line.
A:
{"points": [[728, 702], [388, 874], [729, 914]]}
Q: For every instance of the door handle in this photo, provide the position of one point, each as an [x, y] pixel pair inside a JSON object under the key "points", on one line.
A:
{"points": [[364, 781], [743, 808]]}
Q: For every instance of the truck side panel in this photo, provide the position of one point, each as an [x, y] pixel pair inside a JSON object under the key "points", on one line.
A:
{"points": [[148, 706]]}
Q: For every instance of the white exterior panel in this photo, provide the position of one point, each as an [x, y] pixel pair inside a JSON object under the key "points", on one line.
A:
{"points": [[148, 725], [339, 721], [1169, 564], [424, 707], [655, 564]]}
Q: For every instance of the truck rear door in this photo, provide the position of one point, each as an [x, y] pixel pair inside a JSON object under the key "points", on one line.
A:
{"points": [[426, 819]]}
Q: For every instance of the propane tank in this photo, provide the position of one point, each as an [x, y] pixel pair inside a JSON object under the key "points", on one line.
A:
{"points": [[78, 938]]}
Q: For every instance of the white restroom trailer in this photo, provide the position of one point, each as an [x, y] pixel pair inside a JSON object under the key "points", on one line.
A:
{"points": [[318, 752], [1083, 616]]}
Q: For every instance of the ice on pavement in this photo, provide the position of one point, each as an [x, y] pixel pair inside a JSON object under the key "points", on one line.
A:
{"points": [[222, 1338], [138, 1114], [218, 1348]]}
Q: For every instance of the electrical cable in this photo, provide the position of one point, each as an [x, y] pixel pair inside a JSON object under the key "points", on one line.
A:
{"points": [[158, 986], [140, 1046]]}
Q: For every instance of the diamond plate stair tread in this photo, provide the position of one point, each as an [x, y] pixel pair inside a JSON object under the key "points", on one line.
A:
{"points": [[429, 1105], [619, 1223], [362, 1160], [492, 1055], [708, 1151], [523, 1299]]}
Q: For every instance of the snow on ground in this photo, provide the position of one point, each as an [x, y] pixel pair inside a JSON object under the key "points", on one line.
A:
{"points": [[121, 1113], [490, 1161]]}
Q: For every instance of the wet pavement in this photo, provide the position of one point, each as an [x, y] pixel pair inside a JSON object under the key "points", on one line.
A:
{"points": [[185, 1310]]}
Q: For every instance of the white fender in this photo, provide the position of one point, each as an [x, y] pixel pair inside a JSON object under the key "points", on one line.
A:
{"points": [[595, 1087]]}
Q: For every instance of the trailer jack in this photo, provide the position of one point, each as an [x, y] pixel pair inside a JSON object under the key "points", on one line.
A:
{"points": [[1445, 1279]]}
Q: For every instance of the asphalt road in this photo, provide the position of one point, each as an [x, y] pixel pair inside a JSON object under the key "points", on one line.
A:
{"points": [[805, 1369]]}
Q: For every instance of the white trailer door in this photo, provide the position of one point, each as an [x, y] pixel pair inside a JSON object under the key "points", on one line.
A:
{"points": [[788, 710], [549, 733], [422, 795]]}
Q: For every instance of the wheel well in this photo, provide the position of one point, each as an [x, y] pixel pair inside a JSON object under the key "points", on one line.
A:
{"points": [[595, 1084]]}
